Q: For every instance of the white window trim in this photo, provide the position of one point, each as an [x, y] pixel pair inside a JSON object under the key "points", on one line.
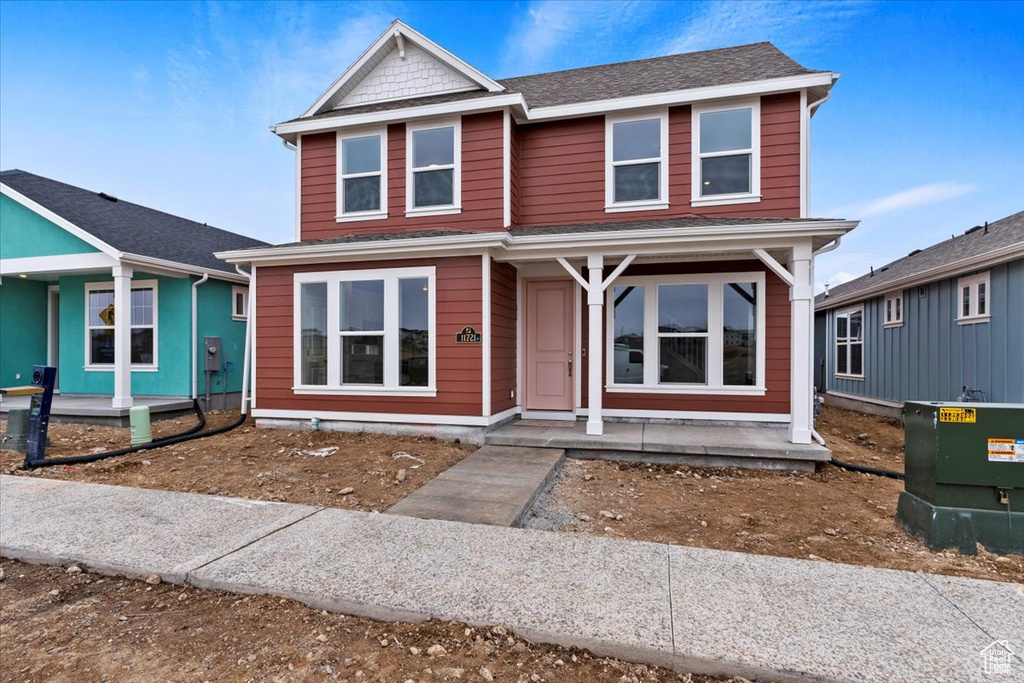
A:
{"points": [[715, 385], [391, 386], [441, 210], [835, 350], [754, 195], [895, 303], [662, 202], [135, 367], [244, 291], [973, 281], [342, 216]]}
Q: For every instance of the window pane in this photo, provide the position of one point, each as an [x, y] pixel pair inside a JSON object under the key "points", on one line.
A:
{"points": [[899, 308], [725, 175], [856, 359], [101, 307], [981, 298], [740, 334], [142, 346], [637, 182], [967, 302], [362, 360], [360, 155], [721, 131], [841, 327], [313, 320], [683, 360], [433, 188], [142, 307], [362, 194], [240, 303], [433, 147], [888, 310], [101, 347], [628, 316], [683, 308], [636, 140], [856, 331], [362, 306], [414, 342], [841, 352]]}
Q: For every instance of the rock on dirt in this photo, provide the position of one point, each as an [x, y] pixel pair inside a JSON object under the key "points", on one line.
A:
{"points": [[154, 580], [436, 650]]}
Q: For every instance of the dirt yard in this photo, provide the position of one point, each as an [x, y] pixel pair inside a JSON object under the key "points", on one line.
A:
{"points": [[57, 626], [832, 515], [367, 472]]}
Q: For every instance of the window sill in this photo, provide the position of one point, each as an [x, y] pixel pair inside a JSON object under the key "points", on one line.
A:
{"points": [[424, 392], [635, 206], [240, 318], [897, 324], [973, 320], [857, 378], [723, 200], [366, 216], [110, 368], [681, 389], [433, 211]]}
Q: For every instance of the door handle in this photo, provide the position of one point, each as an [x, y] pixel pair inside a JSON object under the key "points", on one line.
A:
{"points": [[570, 368]]}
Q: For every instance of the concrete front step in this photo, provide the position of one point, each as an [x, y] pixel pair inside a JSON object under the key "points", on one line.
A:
{"points": [[496, 485]]}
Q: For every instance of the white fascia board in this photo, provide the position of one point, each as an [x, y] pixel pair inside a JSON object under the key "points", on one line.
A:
{"points": [[421, 42], [448, 244], [63, 263], [986, 260], [60, 221], [176, 269]]}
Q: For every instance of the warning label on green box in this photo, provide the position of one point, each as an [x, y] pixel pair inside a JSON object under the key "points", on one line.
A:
{"points": [[1006, 450]]}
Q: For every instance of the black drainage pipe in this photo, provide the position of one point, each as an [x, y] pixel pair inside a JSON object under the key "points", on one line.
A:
{"points": [[864, 469]]}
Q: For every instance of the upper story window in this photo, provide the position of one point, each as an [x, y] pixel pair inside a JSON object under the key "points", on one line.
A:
{"points": [[362, 177], [726, 154], [850, 343], [973, 300], [100, 314], [636, 162], [239, 302], [433, 184], [893, 312]]}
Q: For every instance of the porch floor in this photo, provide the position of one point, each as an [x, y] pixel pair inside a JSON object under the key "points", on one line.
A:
{"points": [[702, 445], [97, 409]]}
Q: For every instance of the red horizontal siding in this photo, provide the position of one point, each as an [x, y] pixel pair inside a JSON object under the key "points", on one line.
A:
{"points": [[459, 388], [503, 336]]}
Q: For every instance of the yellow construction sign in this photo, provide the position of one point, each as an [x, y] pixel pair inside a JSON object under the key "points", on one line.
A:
{"points": [[107, 315]]}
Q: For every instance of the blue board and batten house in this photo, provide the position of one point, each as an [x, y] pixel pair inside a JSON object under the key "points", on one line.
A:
{"points": [[928, 325], [69, 256]]}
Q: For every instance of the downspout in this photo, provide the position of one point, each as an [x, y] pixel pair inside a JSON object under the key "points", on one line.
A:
{"points": [[817, 103], [248, 340], [831, 246], [195, 332]]}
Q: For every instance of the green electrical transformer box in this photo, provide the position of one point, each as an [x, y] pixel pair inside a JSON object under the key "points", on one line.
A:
{"points": [[964, 476]]}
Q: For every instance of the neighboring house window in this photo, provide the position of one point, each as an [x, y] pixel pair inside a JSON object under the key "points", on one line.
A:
{"points": [[636, 163], [365, 332], [695, 333], [726, 154], [101, 312], [850, 342], [362, 175], [433, 185], [973, 300], [239, 302], [894, 310]]}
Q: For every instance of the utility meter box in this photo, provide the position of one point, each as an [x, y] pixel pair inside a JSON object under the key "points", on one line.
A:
{"points": [[964, 476], [212, 354]]}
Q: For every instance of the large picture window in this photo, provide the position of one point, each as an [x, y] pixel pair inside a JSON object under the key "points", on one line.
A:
{"points": [[636, 175], [434, 174], [362, 175], [726, 154], [100, 315], [365, 332], [850, 342], [700, 333]]}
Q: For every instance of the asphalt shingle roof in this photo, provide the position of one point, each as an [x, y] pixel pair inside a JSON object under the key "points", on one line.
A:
{"points": [[1003, 233], [129, 227]]}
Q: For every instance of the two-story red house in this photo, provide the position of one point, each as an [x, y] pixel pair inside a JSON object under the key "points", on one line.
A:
{"points": [[616, 242]]}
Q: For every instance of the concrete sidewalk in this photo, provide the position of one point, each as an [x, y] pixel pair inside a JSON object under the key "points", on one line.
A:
{"points": [[686, 608]]}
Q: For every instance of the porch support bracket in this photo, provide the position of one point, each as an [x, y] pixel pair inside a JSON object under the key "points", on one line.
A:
{"points": [[775, 266], [575, 274]]}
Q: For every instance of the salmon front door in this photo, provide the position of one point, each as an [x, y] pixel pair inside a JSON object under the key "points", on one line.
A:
{"points": [[549, 345]]}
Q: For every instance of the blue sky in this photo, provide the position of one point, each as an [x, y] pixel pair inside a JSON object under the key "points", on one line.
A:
{"points": [[168, 104]]}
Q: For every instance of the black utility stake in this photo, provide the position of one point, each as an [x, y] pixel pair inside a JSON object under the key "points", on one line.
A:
{"points": [[39, 413]]}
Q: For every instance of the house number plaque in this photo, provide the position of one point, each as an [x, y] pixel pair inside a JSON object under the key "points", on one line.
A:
{"points": [[467, 336]]}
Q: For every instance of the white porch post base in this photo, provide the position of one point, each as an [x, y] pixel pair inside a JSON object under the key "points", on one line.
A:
{"points": [[595, 306], [122, 337], [801, 299]]}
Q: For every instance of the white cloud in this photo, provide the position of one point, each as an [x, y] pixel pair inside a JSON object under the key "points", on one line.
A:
{"points": [[913, 198]]}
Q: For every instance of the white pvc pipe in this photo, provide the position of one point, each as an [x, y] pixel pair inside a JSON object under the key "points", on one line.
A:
{"points": [[195, 332], [248, 339]]}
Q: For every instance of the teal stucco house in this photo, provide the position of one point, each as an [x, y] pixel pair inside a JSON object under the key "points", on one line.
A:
{"points": [[69, 257]]}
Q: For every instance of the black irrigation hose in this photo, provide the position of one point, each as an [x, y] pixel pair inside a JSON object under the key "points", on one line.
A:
{"points": [[867, 470], [166, 441]]}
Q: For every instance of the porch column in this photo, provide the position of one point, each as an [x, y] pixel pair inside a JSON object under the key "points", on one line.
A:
{"points": [[595, 305], [122, 337], [801, 297]]}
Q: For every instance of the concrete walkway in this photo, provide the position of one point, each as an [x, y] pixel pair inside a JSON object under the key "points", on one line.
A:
{"points": [[690, 609], [495, 485]]}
